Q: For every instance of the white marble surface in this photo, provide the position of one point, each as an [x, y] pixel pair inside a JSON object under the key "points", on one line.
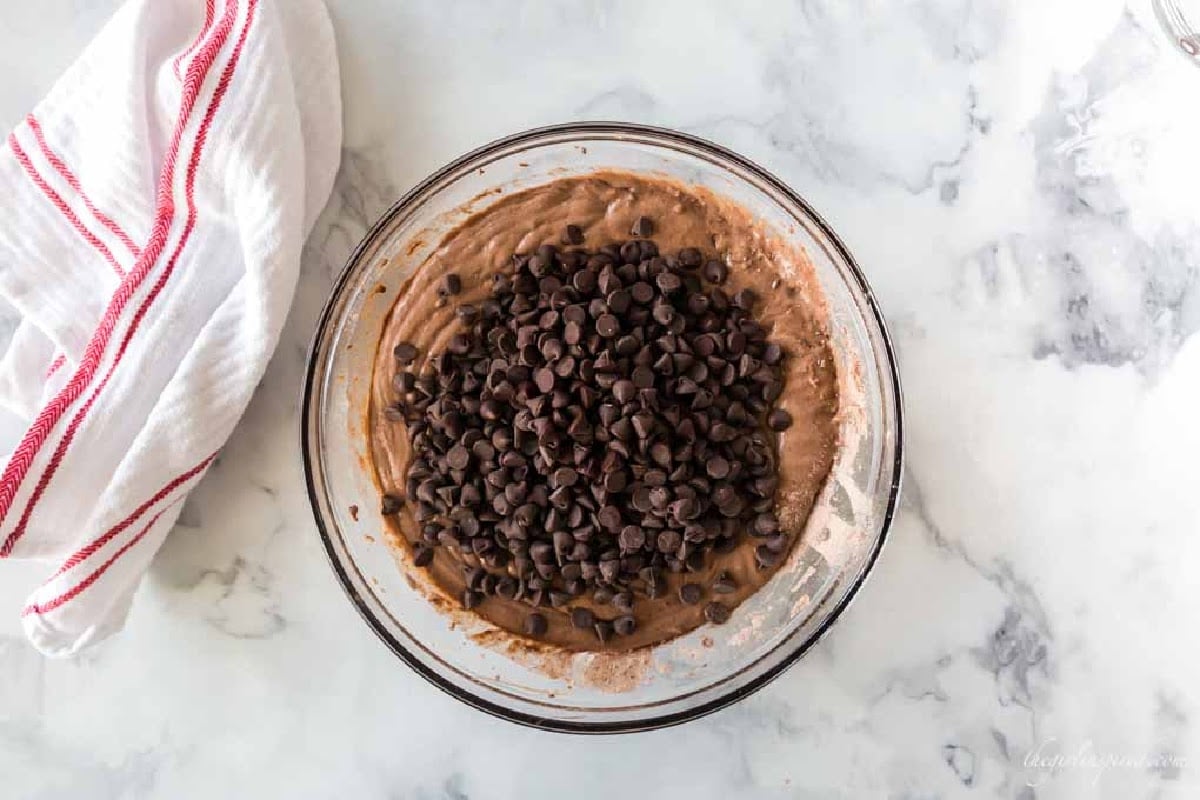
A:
{"points": [[1018, 180]]}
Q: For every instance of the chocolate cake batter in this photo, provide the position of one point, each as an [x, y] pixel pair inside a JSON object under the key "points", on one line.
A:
{"points": [[605, 205]]}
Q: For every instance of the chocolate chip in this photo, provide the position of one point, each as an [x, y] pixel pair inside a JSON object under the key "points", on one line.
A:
{"points": [[404, 383], [618, 301], [765, 556], [643, 228], [458, 457], [668, 282], [642, 292], [745, 299], [572, 234], [765, 524], [652, 478], [716, 613], [690, 593], [584, 282], [625, 625], [614, 482], [565, 476], [715, 271], [772, 354], [660, 453], [404, 353], [608, 326], [451, 284], [541, 552], [632, 538], [422, 555], [609, 517], [535, 625], [603, 629], [545, 379], [564, 542], [643, 377], [643, 423], [390, 504], [471, 599], [717, 468], [779, 420], [685, 509], [690, 258], [582, 618], [625, 390]]}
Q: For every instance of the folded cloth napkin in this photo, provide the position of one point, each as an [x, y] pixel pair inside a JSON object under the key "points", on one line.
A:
{"points": [[152, 211]]}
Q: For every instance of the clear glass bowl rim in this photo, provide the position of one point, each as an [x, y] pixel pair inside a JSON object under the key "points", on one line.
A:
{"points": [[310, 403]]}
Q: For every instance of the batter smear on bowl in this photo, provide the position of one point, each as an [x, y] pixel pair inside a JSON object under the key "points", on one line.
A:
{"points": [[603, 409]]}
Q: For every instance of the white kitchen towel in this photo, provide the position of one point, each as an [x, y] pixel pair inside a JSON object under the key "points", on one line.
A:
{"points": [[152, 211]]}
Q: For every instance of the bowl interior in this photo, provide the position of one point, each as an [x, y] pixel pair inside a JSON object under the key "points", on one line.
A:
{"points": [[681, 679]]}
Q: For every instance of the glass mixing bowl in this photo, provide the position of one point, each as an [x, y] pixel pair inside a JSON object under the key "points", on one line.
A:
{"points": [[679, 680]]}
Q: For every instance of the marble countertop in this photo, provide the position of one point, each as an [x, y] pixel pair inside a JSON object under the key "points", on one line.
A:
{"points": [[1018, 181]]}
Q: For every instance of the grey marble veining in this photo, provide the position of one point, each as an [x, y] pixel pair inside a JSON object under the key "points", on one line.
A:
{"points": [[1017, 180]]}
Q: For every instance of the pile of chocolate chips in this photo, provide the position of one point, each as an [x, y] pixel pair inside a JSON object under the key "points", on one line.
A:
{"points": [[603, 417]]}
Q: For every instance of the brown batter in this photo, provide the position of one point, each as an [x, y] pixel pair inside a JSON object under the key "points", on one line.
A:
{"points": [[605, 205]]}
